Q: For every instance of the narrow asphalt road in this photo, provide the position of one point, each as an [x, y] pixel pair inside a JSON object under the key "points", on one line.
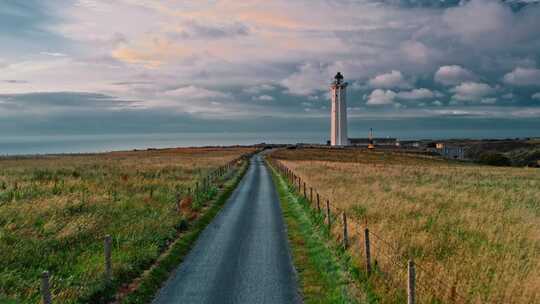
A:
{"points": [[243, 255]]}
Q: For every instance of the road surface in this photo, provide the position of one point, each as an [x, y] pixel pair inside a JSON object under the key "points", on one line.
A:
{"points": [[243, 255]]}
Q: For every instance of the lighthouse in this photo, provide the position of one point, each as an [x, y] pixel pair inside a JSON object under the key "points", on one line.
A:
{"points": [[338, 132]]}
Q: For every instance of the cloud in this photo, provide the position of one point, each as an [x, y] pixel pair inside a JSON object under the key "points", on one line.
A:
{"points": [[46, 102], [523, 77], [381, 97], [472, 91], [415, 51], [391, 80], [536, 96], [53, 54], [508, 96], [476, 19], [416, 94], [308, 80], [489, 100], [193, 92], [423, 3], [516, 4], [190, 55], [14, 81], [493, 27], [25, 18], [152, 54], [193, 29], [259, 89], [264, 98], [131, 83], [452, 75]]}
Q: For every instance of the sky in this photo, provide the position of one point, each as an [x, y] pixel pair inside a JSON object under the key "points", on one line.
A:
{"points": [[128, 66]]}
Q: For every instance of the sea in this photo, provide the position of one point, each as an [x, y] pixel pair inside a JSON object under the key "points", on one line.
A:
{"points": [[92, 143]]}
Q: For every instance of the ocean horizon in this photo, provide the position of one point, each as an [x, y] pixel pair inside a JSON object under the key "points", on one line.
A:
{"points": [[98, 143]]}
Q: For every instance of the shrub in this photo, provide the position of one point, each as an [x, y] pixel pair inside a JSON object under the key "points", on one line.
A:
{"points": [[494, 159]]}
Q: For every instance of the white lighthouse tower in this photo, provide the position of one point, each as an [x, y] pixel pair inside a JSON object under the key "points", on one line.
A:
{"points": [[338, 136]]}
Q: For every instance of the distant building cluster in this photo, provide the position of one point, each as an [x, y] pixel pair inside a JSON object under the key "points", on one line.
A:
{"points": [[452, 152]]}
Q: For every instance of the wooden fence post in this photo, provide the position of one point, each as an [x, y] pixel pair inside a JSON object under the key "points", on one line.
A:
{"points": [[177, 201], [328, 214], [318, 203], [305, 196], [311, 195], [367, 248], [345, 232], [411, 296], [108, 262], [45, 288]]}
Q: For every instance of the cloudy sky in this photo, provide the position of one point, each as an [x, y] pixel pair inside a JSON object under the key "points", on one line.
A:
{"points": [[143, 65]]}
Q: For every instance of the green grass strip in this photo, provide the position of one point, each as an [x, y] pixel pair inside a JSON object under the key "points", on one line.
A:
{"points": [[321, 272], [153, 280]]}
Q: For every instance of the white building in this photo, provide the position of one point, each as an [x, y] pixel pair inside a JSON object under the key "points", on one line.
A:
{"points": [[338, 132]]}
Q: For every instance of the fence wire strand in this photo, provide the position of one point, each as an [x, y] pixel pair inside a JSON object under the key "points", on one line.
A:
{"points": [[395, 258]]}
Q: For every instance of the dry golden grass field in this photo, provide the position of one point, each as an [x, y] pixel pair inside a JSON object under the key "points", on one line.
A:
{"points": [[55, 211], [473, 231]]}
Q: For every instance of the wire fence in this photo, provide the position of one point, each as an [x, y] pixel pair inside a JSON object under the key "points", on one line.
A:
{"points": [[203, 189], [382, 260]]}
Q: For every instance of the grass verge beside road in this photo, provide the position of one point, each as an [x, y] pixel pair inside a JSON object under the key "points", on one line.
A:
{"points": [[323, 270], [153, 280]]}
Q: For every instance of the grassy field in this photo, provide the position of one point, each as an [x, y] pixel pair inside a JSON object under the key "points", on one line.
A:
{"points": [[474, 231], [55, 211]]}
